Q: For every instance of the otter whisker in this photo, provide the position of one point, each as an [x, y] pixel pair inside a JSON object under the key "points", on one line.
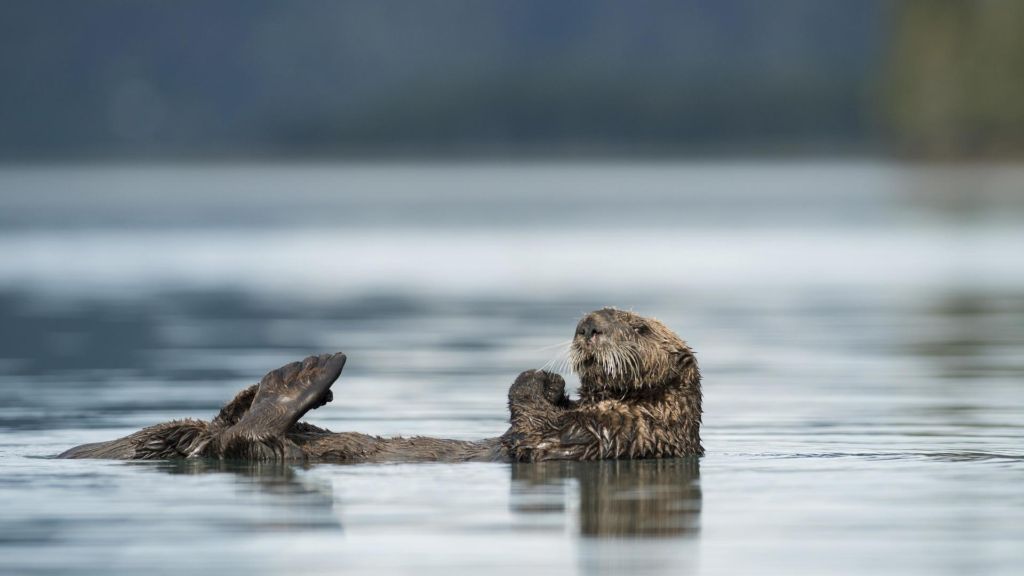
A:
{"points": [[550, 362], [559, 361], [567, 365], [629, 364], [613, 363], [563, 344], [634, 366], [560, 364], [575, 360], [626, 360]]}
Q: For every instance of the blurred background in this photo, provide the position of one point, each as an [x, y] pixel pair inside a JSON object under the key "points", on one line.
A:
{"points": [[257, 79], [824, 197]]}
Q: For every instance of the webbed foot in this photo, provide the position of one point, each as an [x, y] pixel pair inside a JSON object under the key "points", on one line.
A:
{"points": [[284, 396]]}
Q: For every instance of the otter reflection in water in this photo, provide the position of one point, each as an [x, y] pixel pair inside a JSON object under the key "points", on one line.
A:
{"points": [[643, 498], [656, 498], [278, 496], [639, 397]]}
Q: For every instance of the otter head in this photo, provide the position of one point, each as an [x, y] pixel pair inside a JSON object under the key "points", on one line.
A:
{"points": [[619, 352]]}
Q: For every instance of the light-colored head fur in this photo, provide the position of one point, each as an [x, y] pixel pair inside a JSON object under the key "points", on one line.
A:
{"points": [[619, 352]]}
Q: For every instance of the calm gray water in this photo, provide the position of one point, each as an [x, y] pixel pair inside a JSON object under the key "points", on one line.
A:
{"points": [[860, 328]]}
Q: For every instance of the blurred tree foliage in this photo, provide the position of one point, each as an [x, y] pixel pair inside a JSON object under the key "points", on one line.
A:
{"points": [[340, 78], [955, 80]]}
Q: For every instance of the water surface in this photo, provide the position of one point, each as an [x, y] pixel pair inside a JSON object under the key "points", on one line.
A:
{"points": [[860, 329]]}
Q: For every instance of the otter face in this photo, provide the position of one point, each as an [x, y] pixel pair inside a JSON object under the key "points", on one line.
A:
{"points": [[622, 350]]}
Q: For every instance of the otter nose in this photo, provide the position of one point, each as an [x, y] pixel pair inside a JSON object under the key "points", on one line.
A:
{"points": [[588, 328]]}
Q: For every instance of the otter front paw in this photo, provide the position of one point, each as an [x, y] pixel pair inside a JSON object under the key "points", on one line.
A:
{"points": [[535, 386], [535, 401]]}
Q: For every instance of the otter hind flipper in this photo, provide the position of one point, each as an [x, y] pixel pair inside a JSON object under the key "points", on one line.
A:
{"points": [[284, 396]]}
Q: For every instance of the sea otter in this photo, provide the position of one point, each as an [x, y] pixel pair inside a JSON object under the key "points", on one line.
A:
{"points": [[639, 397]]}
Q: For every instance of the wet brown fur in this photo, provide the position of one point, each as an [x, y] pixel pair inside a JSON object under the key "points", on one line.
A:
{"points": [[639, 398]]}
